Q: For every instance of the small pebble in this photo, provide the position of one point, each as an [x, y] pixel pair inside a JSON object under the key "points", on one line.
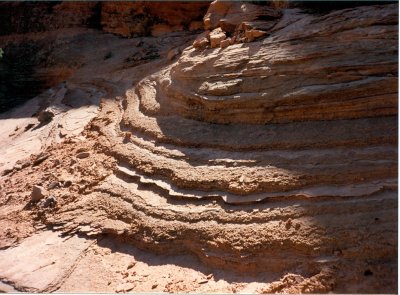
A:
{"points": [[50, 202], [83, 155], [53, 185], [38, 193]]}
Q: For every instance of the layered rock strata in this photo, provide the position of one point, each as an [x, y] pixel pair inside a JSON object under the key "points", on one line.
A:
{"points": [[276, 155], [122, 18]]}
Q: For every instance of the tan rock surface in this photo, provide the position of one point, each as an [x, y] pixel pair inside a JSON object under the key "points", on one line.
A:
{"points": [[216, 36], [268, 166], [281, 79]]}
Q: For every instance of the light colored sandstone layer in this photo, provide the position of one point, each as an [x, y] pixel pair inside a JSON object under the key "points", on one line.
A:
{"points": [[310, 67], [299, 181]]}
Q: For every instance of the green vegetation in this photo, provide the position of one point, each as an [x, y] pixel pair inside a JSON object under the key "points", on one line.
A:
{"points": [[1, 53]]}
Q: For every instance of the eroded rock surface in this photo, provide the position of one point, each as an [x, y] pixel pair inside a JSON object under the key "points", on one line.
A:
{"points": [[277, 155]]}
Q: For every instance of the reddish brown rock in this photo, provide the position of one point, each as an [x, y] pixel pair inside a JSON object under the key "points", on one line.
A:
{"points": [[144, 18], [251, 35], [202, 40], [216, 36], [196, 25], [160, 30], [271, 72], [225, 43], [276, 156], [216, 11], [229, 15]]}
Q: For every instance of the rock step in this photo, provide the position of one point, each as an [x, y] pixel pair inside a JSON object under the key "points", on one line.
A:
{"points": [[185, 132], [354, 190]]}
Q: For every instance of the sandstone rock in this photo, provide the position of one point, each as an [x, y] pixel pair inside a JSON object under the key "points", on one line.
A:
{"points": [[226, 26], [278, 94], [196, 25], [217, 10], [251, 35], [62, 133], [229, 14], [45, 116], [225, 43], [177, 28], [83, 155], [50, 202], [216, 36], [125, 287], [40, 159], [37, 193], [160, 30], [202, 41], [127, 136], [38, 17], [173, 53], [67, 183], [141, 18], [122, 18], [208, 127], [53, 185]]}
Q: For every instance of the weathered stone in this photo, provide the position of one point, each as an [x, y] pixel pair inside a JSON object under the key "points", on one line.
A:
{"points": [[173, 53], [264, 63], [204, 136], [38, 193], [202, 41], [50, 202], [216, 36], [45, 116], [160, 30], [125, 287], [154, 17], [225, 43], [227, 26], [216, 11], [229, 14], [196, 25], [251, 35], [53, 185], [83, 155], [40, 159], [67, 183]]}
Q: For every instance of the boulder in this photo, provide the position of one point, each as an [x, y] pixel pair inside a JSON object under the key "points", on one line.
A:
{"points": [[225, 43], [216, 36], [45, 116], [202, 41]]}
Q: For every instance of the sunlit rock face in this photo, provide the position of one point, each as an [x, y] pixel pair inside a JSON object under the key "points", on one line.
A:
{"points": [[309, 67], [266, 144], [299, 123]]}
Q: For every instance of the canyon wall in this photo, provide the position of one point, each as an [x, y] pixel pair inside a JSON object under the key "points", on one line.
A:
{"points": [[266, 142], [123, 18]]}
